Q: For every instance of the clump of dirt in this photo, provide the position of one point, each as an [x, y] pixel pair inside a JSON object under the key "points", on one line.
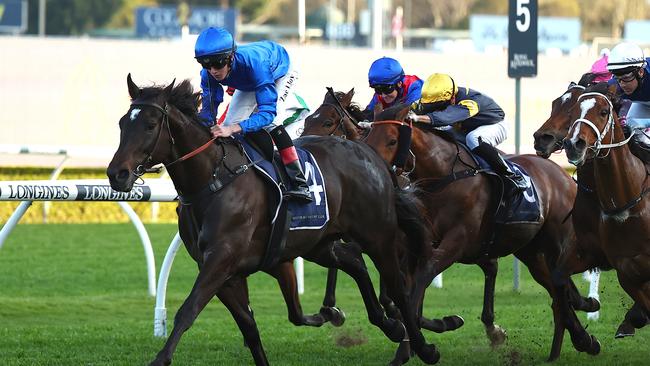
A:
{"points": [[350, 338], [513, 358]]}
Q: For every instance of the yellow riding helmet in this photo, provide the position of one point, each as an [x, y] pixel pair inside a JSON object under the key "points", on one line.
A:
{"points": [[438, 88]]}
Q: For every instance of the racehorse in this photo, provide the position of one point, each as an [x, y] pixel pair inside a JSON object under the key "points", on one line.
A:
{"points": [[620, 185], [586, 215], [225, 220], [461, 207]]}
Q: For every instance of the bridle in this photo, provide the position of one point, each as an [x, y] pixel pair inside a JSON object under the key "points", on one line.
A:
{"points": [[598, 145], [399, 161], [600, 135], [141, 169], [342, 112]]}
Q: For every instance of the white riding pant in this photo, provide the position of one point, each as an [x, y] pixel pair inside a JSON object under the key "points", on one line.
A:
{"points": [[493, 134], [291, 108]]}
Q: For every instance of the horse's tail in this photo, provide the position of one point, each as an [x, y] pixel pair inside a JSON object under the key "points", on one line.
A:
{"points": [[412, 220]]}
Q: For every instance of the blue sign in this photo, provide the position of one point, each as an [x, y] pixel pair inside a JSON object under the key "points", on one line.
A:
{"points": [[162, 21], [13, 16], [552, 32], [637, 31]]}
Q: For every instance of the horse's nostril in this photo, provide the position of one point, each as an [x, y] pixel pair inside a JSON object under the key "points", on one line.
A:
{"points": [[581, 144]]}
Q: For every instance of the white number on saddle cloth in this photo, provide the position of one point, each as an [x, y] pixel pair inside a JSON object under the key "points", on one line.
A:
{"points": [[529, 195], [314, 187]]}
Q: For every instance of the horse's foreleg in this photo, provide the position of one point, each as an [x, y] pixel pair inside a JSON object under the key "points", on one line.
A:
{"points": [[211, 277], [285, 274], [349, 259], [234, 295]]}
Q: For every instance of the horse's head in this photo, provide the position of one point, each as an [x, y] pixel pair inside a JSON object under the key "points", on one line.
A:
{"points": [[141, 137], [390, 136], [335, 117], [548, 138], [594, 126]]}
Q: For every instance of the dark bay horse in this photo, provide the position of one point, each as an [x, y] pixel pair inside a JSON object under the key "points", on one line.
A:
{"points": [[620, 184], [461, 212], [224, 218], [588, 251]]}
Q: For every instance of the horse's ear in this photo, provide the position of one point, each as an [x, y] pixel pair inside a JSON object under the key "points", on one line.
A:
{"points": [[167, 92], [401, 115], [347, 98], [134, 90], [377, 111]]}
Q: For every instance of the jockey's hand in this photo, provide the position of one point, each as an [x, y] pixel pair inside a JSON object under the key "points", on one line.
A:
{"points": [[411, 117], [224, 131]]}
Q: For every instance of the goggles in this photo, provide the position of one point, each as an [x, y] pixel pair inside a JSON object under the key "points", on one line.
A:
{"points": [[383, 88], [626, 78], [216, 62]]}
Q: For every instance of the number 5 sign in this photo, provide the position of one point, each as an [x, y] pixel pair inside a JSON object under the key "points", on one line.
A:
{"points": [[522, 38]]}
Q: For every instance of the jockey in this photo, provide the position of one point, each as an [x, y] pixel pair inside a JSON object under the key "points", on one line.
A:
{"points": [[391, 86], [630, 68], [264, 79], [478, 117]]}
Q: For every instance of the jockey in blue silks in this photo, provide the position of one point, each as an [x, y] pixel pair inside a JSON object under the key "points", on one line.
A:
{"points": [[264, 79], [631, 69], [475, 115], [391, 85]]}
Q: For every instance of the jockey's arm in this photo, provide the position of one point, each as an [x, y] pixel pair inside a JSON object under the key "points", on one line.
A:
{"points": [[454, 113], [211, 97]]}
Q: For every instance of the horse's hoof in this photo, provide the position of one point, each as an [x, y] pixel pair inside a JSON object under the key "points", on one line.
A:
{"points": [[402, 355], [496, 335], [625, 330], [453, 322], [333, 315], [595, 347], [429, 354]]}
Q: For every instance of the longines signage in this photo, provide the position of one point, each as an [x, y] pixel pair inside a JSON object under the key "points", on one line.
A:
{"points": [[70, 192]]}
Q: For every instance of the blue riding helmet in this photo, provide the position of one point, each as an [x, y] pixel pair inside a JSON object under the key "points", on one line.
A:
{"points": [[385, 70], [214, 41]]}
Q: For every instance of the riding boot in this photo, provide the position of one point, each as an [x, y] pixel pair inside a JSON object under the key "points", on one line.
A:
{"points": [[496, 161], [300, 189]]}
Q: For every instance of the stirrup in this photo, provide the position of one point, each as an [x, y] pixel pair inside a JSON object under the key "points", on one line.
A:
{"points": [[300, 195]]}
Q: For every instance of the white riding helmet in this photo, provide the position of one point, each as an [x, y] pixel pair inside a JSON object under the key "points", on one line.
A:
{"points": [[625, 57]]}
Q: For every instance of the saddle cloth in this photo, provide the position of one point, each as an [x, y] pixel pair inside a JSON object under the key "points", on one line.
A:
{"points": [[305, 216], [515, 206]]}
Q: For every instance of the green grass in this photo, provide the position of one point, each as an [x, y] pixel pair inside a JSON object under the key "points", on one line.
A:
{"points": [[77, 295]]}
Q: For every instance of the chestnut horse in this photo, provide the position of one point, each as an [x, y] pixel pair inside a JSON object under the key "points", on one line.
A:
{"points": [[461, 211], [620, 185], [225, 220], [586, 215]]}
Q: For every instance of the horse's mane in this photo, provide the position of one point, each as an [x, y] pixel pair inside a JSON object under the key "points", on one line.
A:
{"points": [[354, 109], [182, 97], [390, 113]]}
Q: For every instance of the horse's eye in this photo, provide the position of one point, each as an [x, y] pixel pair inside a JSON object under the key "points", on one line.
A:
{"points": [[150, 126], [392, 142], [328, 123], [604, 112]]}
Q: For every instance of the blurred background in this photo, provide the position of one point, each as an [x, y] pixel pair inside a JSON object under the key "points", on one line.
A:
{"points": [[63, 63]]}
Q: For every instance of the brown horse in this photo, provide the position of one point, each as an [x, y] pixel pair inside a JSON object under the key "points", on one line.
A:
{"points": [[621, 185], [586, 215], [225, 220], [461, 210]]}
